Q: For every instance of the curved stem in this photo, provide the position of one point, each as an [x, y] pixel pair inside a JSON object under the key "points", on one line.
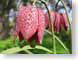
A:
{"points": [[27, 51], [56, 5], [34, 1], [51, 25], [65, 6], [25, 48], [43, 48], [58, 41], [38, 47], [15, 50]]}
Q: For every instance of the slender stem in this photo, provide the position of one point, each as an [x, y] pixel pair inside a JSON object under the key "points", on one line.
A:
{"points": [[25, 48], [58, 41], [43, 48], [56, 5], [65, 6], [34, 1], [27, 51], [38, 47], [62, 44], [54, 42], [51, 25], [15, 50]]}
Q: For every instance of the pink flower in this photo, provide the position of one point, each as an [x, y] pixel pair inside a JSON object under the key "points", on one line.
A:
{"points": [[30, 23], [59, 21]]}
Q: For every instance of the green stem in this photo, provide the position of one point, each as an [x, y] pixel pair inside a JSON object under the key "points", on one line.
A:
{"points": [[62, 44], [65, 6], [51, 25], [38, 47], [15, 50], [56, 5], [11, 51], [58, 41], [27, 51], [43, 48], [54, 45], [34, 1], [18, 49]]}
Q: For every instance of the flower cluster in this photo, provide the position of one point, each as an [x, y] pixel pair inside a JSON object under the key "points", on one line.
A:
{"points": [[31, 23], [59, 21]]}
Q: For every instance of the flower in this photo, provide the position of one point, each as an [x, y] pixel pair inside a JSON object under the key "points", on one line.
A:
{"points": [[59, 21], [30, 23]]}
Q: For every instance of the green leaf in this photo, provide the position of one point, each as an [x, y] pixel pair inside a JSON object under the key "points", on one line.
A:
{"points": [[11, 51]]}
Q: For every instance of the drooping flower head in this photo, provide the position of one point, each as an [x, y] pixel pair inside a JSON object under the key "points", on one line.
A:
{"points": [[30, 22], [59, 21]]}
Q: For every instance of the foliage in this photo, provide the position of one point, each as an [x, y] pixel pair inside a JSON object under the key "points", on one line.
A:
{"points": [[8, 46], [63, 41]]}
